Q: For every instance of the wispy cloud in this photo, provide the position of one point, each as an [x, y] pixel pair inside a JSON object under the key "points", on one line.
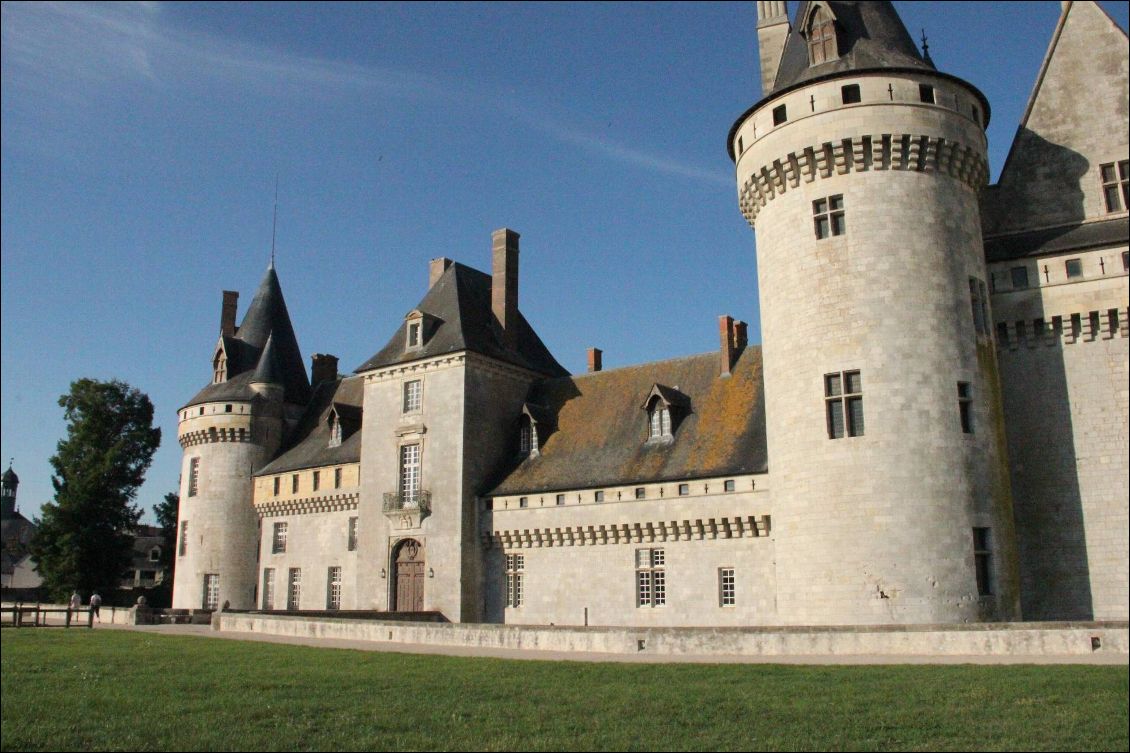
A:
{"points": [[77, 53]]}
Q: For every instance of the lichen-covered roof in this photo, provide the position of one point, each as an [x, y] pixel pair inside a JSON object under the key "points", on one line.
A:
{"points": [[1058, 240], [460, 305], [870, 35], [308, 444], [601, 430]]}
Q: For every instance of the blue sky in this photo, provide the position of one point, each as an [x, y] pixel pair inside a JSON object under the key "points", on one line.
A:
{"points": [[140, 145]]}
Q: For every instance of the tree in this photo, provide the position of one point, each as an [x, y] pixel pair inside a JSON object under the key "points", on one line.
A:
{"points": [[166, 512], [84, 539]]}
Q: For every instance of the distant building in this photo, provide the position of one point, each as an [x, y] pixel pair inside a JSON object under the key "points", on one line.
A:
{"points": [[17, 570], [933, 431]]}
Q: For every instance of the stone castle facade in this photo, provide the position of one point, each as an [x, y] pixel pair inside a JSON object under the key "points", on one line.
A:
{"points": [[934, 429]]}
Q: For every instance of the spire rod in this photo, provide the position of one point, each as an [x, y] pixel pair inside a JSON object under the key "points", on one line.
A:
{"points": [[925, 48], [275, 221]]}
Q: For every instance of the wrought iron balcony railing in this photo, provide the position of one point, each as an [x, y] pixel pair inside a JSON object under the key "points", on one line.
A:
{"points": [[402, 502]]}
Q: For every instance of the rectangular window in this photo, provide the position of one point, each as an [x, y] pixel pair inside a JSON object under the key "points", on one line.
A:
{"points": [[598, 496], [414, 335], [849, 94], [413, 396], [278, 541], [780, 115], [523, 502], [317, 481], [294, 484], [268, 588], [515, 575], [183, 538], [410, 474], [926, 93], [651, 579], [333, 588], [726, 591], [560, 499], [193, 476], [1019, 277], [982, 560], [729, 485], [277, 480], [828, 217], [1116, 185], [337, 478], [1126, 261], [979, 301], [1074, 268], [684, 489], [965, 406], [843, 398], [211, 591], [641, 492], [351, 537], [294, 591]]}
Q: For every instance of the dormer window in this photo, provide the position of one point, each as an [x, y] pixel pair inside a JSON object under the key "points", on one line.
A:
{"points": [[534, 425], [219, 367], [665, 408], [418, 327], [343, 420], [527, 437], [413, 334], [821, 36], [335, 431], [155, 554]]}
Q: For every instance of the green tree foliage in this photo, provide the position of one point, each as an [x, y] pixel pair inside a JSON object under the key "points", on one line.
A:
{"points": [[84, 538], [166, 512]]}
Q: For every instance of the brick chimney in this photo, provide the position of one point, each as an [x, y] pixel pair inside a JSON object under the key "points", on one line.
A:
{"points": [[726, 335], [436, 268], [504, 284], [227, 313], [741, 338], [595, 361], [323, 368]]}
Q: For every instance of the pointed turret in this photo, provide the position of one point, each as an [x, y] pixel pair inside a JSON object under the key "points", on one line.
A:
{"points": [[267, 320], [836, 37], [8, 484]]}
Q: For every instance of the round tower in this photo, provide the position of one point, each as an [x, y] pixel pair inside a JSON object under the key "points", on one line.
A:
{"points": [[233, 427], [859, 171]]}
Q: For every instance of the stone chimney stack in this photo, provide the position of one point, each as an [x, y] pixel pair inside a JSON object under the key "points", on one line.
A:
{"points": [[227, 313], [728, 339], [595, 359], [323, 368], [504, 284], [741, 338], [436, 268]]}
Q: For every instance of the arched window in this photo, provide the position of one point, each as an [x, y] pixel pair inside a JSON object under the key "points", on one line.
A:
{"points": [[821, 37]]}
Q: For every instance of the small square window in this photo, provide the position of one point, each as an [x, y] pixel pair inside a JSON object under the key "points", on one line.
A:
{"points": [[1074, 268], [728, 485], [560, 499], [599, 496], [227, 409], [641, 493], [1019, 277], [684, 489], [926, 93], [849, 94], [780, 115], [828, 217], [523, 502]]}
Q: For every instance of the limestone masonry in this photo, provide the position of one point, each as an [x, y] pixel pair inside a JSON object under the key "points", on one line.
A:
{"points": [[933, 431]]}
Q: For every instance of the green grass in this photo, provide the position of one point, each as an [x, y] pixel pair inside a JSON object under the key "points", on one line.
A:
{"points": [[106, 690]]}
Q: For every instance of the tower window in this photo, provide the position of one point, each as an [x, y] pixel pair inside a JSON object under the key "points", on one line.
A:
{"points": [[351, 538], [979, 301], [821, 38], [1116, 185], [926, 93], [982, 561], [843, 399], [183, 539], [850, 94], [965, 406], [1074, 268], [294, 593], [828, 217], [780, 115], [641, 492], [211, 591], [193, 477], [268, 588], [560, 500]]}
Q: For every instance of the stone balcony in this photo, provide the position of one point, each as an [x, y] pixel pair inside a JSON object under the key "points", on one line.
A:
{"points": [[407, 510]]}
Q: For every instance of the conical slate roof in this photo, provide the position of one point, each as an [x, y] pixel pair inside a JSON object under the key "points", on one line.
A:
{"points": [[10, 478], [869, 35], [266, 320], [268, 370]]}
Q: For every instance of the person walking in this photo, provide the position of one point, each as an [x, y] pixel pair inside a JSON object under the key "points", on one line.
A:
{"points": [[95, 603], [76, 601]]}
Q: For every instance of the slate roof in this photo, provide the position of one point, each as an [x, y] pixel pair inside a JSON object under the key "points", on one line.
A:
{"points": [[308, 445], [266, 319], [460, 305], [601, 430], [1058, 239], [870, 35]]}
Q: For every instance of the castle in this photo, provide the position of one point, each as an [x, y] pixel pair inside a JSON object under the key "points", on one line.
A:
{"points": [[933, 431]]}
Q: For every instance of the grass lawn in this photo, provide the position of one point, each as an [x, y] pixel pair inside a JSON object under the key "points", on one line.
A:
{"points": [[106, 690]]}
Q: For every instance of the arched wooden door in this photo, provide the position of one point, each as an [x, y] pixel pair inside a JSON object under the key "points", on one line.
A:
{"points": [[409, 571]]}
